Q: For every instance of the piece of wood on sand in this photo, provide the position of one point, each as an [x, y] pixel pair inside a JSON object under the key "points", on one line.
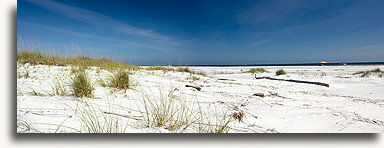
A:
{"points": [[195, 87], [296, 81], [224, 79]]}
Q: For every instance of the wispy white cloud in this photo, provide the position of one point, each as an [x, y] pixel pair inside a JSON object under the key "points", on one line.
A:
{"points": [[107, 40], [97, 19], [64, 31]]}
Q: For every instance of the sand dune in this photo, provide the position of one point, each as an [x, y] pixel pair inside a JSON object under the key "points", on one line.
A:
{"points": [[351, 103]]}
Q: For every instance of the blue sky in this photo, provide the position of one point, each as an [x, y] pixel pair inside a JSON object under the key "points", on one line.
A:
{"points": [[164, 32]]}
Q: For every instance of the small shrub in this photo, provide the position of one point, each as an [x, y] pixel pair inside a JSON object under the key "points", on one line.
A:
{"points": [[256, 70], [184, 69], [280, 72], [376, 70], [82, 85], [121, 80]]}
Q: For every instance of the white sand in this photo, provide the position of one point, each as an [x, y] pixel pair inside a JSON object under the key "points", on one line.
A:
{"points": [[350, 104]]}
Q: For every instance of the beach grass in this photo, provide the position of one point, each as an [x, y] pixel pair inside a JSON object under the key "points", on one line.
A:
{"points": [[368, 73], [162, 68], [35, 58], [168, 111], [59, 87], [256, 70], [280, 72], [94, 120], [81, 85], [121, 80], [188, 70], [83, 62], [219, 125], [178, 69]]}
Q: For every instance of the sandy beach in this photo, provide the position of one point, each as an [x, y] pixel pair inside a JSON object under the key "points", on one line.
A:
{"points": [[351, 104]]}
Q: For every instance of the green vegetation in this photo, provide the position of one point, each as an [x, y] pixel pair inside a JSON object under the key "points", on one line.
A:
{"points": [[184, 69], [34, 92], [58, 87], [82, 85], [220, 125], [26, 74], [178, 69], [165, 69], [167, 112], [24, 126], [256, 70], [81, 62], [224, 72], [35, 57], [176, 115], [368, 73], [187, 70], [280, 72], [95, 120], [121, 80], [102, 83]]}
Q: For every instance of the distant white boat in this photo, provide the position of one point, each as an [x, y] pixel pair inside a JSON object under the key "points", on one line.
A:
{"points": [[322, 63]]}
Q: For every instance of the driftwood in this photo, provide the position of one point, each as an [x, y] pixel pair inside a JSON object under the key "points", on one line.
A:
{"points": [[195, 87], [296, 81], [226, 79], [259, 95]]}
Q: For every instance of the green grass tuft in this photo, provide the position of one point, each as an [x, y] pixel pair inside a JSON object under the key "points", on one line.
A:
{"points": [[256, 70], [168, 112], [59, 87], [94, 120], [82, 85], [280, 72], [187, 70], [121, 80]]}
